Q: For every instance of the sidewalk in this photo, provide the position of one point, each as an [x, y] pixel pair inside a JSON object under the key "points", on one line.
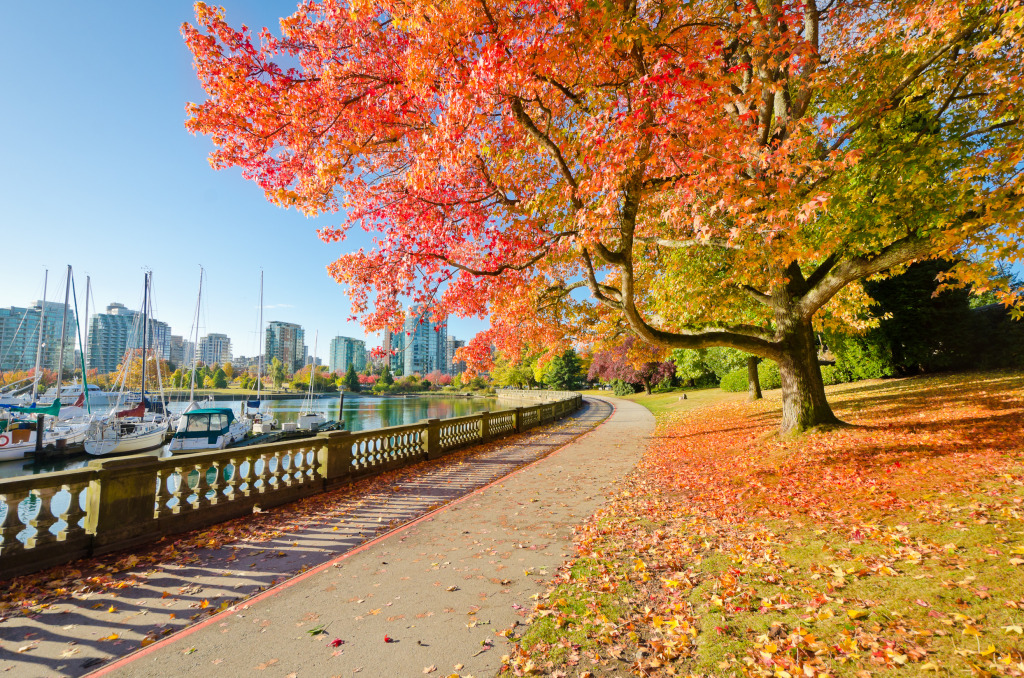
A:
{"points": [[440, 587]]}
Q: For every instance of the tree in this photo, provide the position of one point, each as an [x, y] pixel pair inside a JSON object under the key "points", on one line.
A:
{"points": [[220, 378], [352, 379], [385, 375], [229, 371], [714, 174], [564, 372], [277, 372], [632, 362]]}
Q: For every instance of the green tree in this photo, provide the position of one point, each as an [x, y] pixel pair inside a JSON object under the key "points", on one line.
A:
{"points": [[277, 372], [385, 376], [352, 379], [564, 372], [220, 379]]}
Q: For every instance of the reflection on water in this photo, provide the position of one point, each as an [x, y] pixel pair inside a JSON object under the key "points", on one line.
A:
{"points": [[357, 414]]}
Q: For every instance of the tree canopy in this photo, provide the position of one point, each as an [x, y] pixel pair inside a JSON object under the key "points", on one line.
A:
{"points": [[694, 174]]}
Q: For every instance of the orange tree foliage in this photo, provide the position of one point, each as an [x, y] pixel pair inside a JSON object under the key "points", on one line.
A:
{"points": [[693, 173]]}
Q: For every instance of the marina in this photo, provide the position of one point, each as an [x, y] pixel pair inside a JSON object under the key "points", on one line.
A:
{"points": [[358, 413]]}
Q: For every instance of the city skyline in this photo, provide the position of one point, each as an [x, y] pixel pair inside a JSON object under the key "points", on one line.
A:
{"points": [[121, 186]]}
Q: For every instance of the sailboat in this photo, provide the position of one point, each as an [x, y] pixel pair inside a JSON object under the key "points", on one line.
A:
{"points": [[262, 422], [310, 419], [131, 430], [19, 436]]}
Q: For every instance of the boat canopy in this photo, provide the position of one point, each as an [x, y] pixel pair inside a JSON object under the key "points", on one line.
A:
{"points": [[53, 409], [205, 422]]}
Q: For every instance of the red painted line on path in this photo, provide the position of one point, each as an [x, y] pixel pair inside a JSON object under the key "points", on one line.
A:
{"points": [[288, 583]]}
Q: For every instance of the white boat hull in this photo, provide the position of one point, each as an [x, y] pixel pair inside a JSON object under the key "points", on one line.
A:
{"points": [[111, 439], [310, 421], [14, 446]]}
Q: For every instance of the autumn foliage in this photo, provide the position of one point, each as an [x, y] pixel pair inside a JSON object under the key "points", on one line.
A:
{"points": [[692, 173], [892, 545]]}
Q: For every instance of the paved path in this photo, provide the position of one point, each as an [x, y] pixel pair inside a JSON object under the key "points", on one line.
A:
{"points": [[438, 588]]}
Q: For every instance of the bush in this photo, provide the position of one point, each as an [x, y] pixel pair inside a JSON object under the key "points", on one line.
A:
{"points": [[767, 372], [621, 388], [832, 374]]}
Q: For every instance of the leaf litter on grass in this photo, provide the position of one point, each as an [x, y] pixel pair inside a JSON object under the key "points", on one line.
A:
{"points": [[881, 548]]}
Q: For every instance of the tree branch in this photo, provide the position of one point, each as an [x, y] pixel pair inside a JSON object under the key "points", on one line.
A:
{"points": [[899, 252], [526, 121]]}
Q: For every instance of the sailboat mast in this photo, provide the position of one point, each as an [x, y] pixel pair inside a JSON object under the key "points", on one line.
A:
{"points": [[84, 340], [81, 344], [263, 343], [145, 331], [195, 344], [63, 332], [39, 346], [312, 368]]}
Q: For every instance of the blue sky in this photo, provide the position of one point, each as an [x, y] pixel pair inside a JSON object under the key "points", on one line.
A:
{"points": [[98, 172]]}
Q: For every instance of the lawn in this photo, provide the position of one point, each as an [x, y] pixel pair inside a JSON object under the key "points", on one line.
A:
{"points": [[677, 401], [893, 546]]}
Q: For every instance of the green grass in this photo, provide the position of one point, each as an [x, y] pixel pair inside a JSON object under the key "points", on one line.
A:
{"points": [[672, 402]]}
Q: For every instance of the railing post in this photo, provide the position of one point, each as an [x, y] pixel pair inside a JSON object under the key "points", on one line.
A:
{"points": [[433, 438], [335, 457], [122, 501], [519, 420], [485, 426]]}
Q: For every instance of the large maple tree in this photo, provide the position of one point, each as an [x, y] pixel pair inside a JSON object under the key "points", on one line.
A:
{"points": [[695, 174]]}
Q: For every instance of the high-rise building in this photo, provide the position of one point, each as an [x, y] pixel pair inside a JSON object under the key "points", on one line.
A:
{"points": [[215, 349], [451, 346], [177, 353], [19, 337], [426, 342], [394, 349], [284, 341], [347, 351], [113, 332]]}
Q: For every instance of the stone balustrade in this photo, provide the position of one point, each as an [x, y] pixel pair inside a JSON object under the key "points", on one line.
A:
{"points": [[123, 502]]}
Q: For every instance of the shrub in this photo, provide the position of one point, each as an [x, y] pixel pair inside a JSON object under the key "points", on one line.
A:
{"points": [[767, 372], [621, 388], [832, 374]]}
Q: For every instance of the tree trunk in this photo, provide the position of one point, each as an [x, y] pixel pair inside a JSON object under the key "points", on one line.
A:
{"points": [[753, 379], [804, 405], [647, 386]]}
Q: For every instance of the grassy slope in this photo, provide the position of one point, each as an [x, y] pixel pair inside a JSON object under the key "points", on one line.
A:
{"points": [[895, 546]]}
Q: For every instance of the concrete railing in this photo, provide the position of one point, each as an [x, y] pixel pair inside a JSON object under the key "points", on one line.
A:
{"points": [[123, 502]]}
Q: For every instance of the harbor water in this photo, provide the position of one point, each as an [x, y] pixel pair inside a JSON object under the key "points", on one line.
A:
{"points": [[356, 412]]}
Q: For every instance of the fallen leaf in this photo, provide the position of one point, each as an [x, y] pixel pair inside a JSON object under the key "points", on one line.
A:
{"points": [[430, 669]]}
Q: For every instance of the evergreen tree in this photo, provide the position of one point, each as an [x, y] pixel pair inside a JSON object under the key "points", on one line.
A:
{"points": [[385, 376], [352, 379], [565, 372]]}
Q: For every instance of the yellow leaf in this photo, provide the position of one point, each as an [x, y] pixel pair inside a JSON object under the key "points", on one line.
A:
{"points": [[971, 630], [857, 614], [112, 636], [929, 666], [111, 609], [1013, 629], [205, 604], [147, 641]]}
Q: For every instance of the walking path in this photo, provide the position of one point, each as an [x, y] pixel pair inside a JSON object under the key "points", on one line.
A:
{"points": [[439, 589]]}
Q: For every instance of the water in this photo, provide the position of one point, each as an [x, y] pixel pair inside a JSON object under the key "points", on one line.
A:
{"points": [[358, 414]]}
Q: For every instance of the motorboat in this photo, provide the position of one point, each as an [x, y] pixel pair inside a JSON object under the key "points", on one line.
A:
{"points": [[210, 428]]}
